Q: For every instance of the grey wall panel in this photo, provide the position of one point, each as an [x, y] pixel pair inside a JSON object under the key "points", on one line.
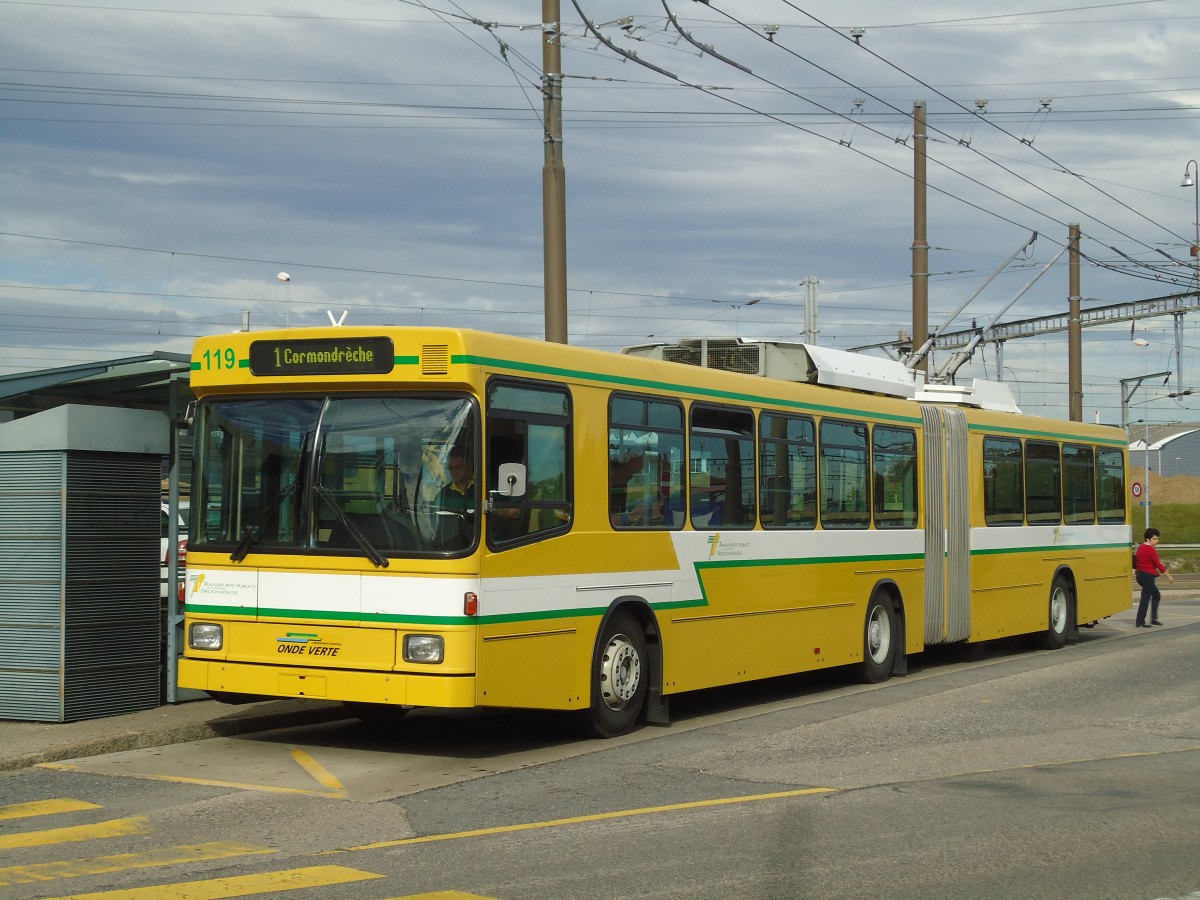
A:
{"points": [[23, 648], [112, 645], [32, 696], [81, 627], [92, 693]]}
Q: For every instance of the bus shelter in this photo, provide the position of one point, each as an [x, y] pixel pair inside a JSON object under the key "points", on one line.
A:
{"points": [[89, 454]]}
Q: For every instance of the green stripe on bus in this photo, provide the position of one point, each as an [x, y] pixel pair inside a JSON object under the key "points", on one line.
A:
{"points": [[643, 383], [1051, 548], [242, 612], [1060, 436], [708, 564], [805, 561]]}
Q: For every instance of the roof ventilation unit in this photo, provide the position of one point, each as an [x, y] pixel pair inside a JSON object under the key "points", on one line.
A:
{"points": [[789, 362]]}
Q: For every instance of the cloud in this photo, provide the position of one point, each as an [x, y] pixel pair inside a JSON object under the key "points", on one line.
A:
{"points": [[171, 163]]}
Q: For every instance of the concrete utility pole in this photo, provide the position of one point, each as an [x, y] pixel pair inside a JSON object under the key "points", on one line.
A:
{"points": [[920, 246], [554, 178], [1074, 333]]}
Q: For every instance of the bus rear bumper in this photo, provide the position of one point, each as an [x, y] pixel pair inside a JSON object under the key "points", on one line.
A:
{"points": [[446, 691]]}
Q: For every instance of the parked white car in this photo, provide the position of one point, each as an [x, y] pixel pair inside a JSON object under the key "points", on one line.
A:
{"points": [[181, 549]]}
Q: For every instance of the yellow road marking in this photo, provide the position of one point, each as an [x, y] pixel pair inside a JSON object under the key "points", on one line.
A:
{"points": [[235, 886], [320, 774], [112, 828], [207, 782], [120, 862], [44, 808], [596, 817]]}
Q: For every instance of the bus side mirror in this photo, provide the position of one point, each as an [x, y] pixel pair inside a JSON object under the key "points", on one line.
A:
{"points": [[510, 481]]}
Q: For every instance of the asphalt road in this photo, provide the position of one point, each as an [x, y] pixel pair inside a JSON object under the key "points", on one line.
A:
{"points": [[987, 772]]}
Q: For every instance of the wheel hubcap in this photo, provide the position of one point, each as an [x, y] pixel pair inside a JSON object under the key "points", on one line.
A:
{"points": [[620, 672], [1058, 611], [879, 635]]}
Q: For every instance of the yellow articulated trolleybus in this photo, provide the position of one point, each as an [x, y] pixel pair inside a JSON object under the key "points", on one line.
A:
{"points": [[425, 517]]}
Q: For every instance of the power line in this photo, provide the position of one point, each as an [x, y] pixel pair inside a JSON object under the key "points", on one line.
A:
{"points": [[763, 36], [991, 124]]}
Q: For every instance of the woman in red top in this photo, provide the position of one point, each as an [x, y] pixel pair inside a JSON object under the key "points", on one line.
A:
{"points": [[1147, 570]]}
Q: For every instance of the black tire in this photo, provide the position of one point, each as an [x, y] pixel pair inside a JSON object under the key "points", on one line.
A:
{"points": [[375, 713], [620, 672], [1061, 609], [879, 640]]}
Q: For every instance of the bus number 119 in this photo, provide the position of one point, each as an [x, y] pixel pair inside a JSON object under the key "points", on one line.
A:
{"points": [[220, 359]]}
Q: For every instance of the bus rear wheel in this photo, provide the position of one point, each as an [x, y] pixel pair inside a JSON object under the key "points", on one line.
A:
{"points": [[619, 676], [1055, 636], [879, 640]]}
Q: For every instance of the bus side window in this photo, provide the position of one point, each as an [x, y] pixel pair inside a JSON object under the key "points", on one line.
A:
{"points": [[1003, 481], [645, 462], [894, 460], [1079, 483], [788, 471], [530, 423], [1110, 485], [1043, 483], [845, 485], [721, 468]]}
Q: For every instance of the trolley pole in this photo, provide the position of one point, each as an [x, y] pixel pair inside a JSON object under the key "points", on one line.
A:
{"points": [[554, 179]]}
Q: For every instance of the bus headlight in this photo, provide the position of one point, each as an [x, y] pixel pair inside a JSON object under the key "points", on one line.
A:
{"points": [[424, 648], [205, 636]]}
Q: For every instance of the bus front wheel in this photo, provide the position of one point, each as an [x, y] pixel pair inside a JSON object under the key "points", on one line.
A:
{"points": [[879, 640], [619, 676], [1055, 636]]}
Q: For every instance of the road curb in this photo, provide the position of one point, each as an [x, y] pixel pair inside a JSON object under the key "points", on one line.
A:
{"points": [[229, 725]]}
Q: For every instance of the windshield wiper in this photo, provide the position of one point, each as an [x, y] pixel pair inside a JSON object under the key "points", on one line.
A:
{"points": [[253, 533], [368, 548]]}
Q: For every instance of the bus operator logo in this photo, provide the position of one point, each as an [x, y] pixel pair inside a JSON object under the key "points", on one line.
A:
{"points": [[305, 643]]}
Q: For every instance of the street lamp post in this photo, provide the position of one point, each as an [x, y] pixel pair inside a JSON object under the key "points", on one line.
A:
{"points": [[1145, 501], [1146, 450], [1193, 181]]}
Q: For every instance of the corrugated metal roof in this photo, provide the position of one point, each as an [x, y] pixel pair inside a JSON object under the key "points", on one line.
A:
{"points": [[1159, 436], [134, 381]]}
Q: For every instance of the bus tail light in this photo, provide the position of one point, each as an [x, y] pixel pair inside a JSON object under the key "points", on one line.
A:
{"points": [[470, 604]]}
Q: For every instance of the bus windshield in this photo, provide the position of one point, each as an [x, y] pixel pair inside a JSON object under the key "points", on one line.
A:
{"points": [[375, 476]]}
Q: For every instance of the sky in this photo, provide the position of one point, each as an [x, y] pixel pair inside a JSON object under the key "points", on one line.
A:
{"points": [[165, 162]]}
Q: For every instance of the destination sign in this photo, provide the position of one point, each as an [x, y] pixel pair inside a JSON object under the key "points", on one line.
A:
{"points": [[323, 356]]}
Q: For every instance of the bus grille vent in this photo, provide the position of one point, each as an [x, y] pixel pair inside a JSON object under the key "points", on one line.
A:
{"points": [[682, 354], [726, 355], [435, 359], [734, 357]]}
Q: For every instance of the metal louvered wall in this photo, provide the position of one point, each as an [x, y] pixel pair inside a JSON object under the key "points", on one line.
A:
{"points": [[80, 618]]}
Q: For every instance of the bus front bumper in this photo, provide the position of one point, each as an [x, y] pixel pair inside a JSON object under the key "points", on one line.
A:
{"points": [[404, 689]]}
